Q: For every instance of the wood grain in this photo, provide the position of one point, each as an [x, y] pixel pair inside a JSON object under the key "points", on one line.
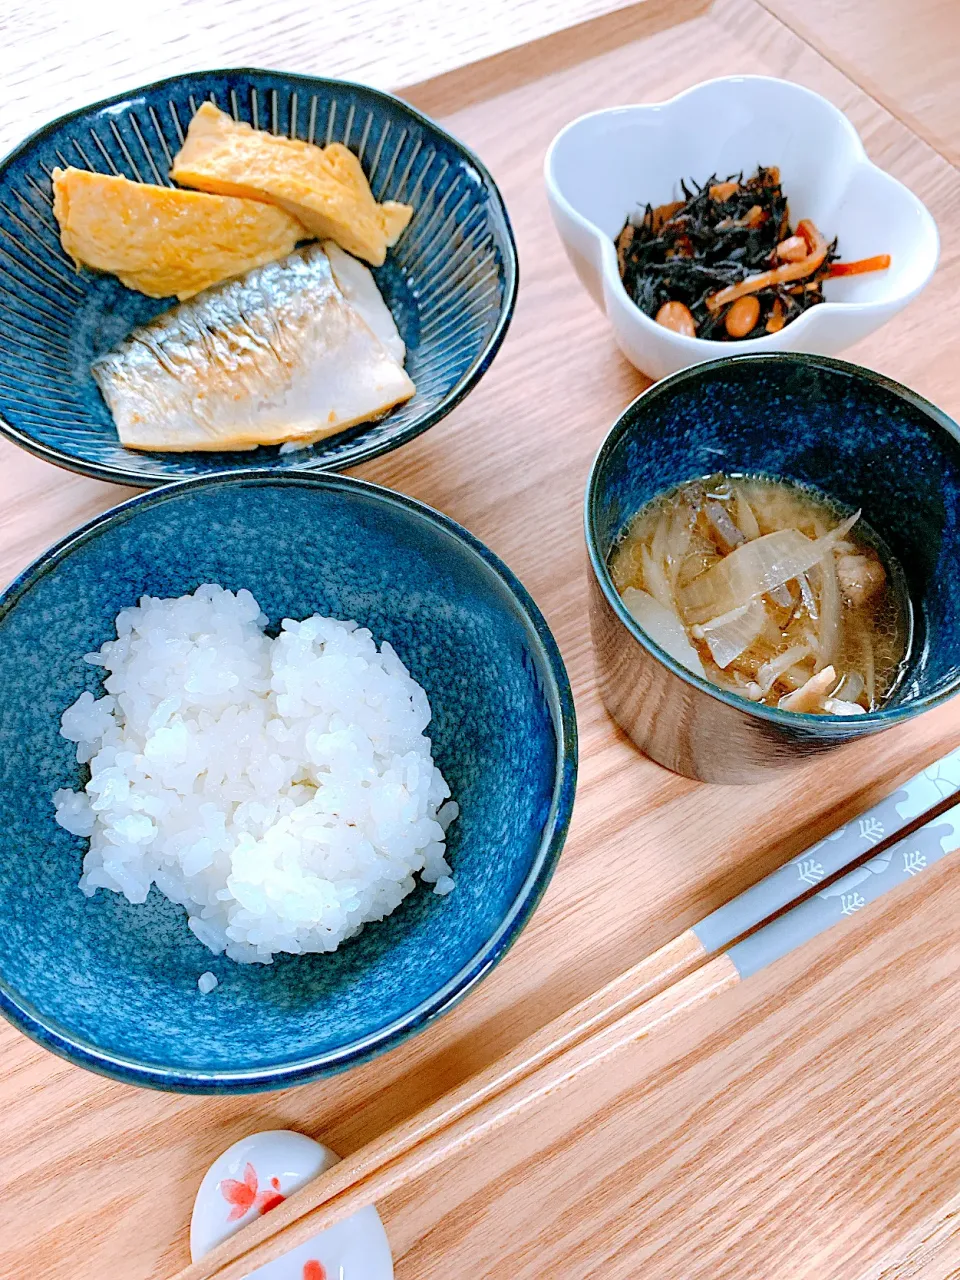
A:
{"points": [[799, 1127], [644, 1001], [794, 1132], [904, 56], [57, 56], [932, 1250], [369, 1176]]}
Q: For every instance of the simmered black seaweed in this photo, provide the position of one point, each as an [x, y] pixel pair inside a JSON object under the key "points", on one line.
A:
{"points": [[720, 234]]}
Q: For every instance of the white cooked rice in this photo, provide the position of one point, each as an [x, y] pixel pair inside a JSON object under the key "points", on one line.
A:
{"points": [[283, 790]]}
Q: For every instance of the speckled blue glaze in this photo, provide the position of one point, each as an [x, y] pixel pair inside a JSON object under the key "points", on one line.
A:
{"points": [[114, 986], [451, 280], [857, 436]]}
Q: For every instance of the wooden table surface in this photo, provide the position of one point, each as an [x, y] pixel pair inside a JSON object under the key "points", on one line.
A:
{"points": [[803, 1125]]}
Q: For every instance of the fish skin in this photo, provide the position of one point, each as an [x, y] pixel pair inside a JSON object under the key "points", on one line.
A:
{"points": [[277, 356]]}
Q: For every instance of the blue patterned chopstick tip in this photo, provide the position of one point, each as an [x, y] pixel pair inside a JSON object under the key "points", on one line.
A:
{"points": [[930, 787], [850, 894]]}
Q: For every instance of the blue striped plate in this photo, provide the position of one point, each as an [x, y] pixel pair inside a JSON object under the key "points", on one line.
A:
{"points": [[451, 280]]}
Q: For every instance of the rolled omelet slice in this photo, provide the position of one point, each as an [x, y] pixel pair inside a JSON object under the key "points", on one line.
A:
{"points": [[161, 241], [324, 187], [278, 357]]}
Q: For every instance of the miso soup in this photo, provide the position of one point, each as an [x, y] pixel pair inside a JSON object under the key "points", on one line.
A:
{"points": [[769, 590]]}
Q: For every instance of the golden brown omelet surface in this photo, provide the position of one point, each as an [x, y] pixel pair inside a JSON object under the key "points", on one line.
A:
{"points": [[161, 241], [325, 187]]}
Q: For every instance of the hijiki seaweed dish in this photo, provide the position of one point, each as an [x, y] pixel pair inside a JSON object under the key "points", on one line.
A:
{"points": [[725, 263]]}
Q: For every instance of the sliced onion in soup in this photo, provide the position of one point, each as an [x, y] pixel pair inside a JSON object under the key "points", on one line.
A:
{"points": [[664, 627], [745, 517], [771, 671], [755, 568], [850, 687], [809, 600], [830, 605], [730, 635], [655, 580]]}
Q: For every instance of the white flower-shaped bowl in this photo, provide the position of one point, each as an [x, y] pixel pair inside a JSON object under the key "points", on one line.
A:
{"points": [[604, 166]]}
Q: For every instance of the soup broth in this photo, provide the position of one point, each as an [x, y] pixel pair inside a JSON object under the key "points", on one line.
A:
{"points": [[769, 590]]}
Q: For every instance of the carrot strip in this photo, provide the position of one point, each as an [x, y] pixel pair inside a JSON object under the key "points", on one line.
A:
{"points": [[779, 275], [878, 263]]}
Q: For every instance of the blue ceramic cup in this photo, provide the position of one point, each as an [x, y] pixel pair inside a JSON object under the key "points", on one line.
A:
{"points": [[113, 986], [859, 437]]}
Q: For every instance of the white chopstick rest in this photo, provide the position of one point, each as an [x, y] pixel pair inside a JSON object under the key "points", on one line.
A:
{"points": [[256, 1174]]}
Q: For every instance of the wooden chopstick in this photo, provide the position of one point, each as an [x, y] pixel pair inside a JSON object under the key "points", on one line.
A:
{"points": [[636, 985], [399, 1157], [628, 1009]]}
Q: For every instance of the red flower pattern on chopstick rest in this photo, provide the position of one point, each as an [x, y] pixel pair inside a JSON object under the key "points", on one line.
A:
{"points": [[246, 1195], [313, 1270]]}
